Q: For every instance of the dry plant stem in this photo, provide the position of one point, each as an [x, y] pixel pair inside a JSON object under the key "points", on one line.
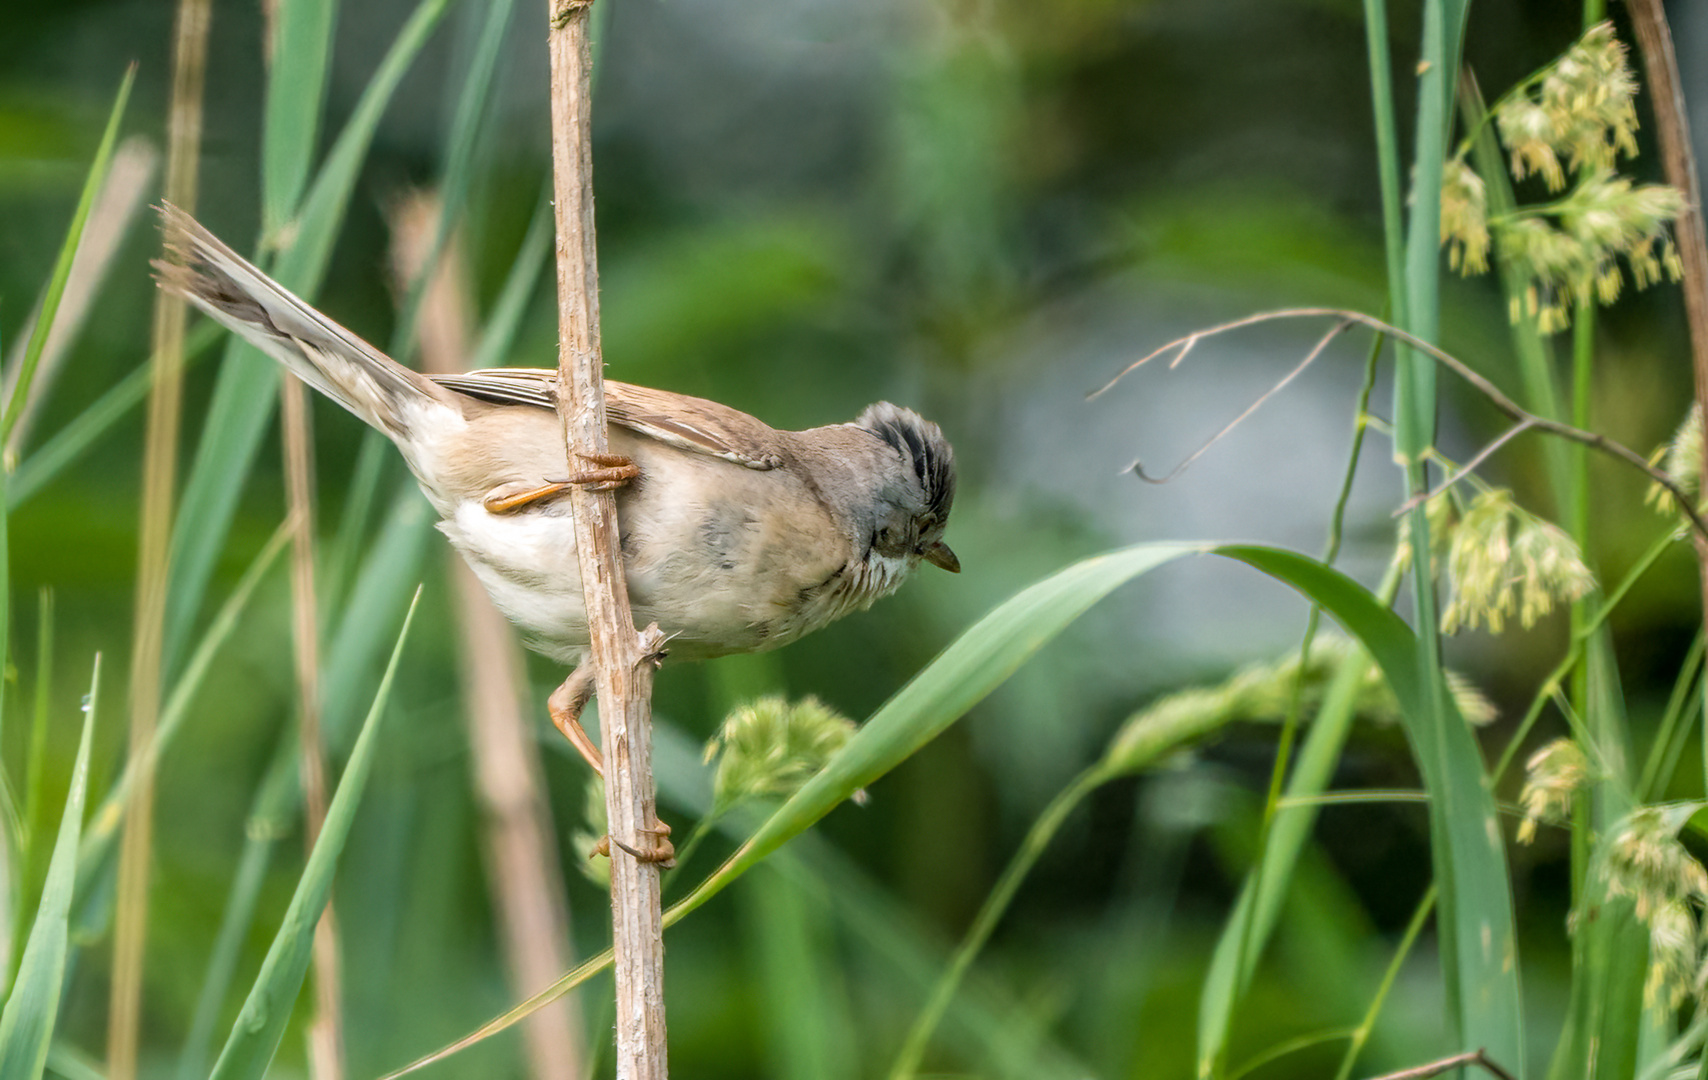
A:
{"points": [[1436, 1068], [623, 659], [1322, 343], [518, 842], [159, 469], [1672, 131], [325, 1037], [1526, 420]]}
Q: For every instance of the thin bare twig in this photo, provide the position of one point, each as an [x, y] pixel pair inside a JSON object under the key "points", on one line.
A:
{"points": [[1323, 343], [1468, 468], [1529, 420], [1457, 1061], [519, 843], [159, 473], [623, 660], [1672, 131]]}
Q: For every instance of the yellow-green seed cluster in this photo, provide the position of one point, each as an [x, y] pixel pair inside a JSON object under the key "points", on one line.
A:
{"points": [[1575, 116]]}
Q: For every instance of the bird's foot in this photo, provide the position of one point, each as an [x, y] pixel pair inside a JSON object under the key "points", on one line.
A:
{"points": [[659, 849], [614, 470], [519, 495]]}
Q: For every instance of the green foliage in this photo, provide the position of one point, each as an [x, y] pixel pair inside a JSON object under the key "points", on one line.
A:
{"points": [[33, 1000], [958, 250]]}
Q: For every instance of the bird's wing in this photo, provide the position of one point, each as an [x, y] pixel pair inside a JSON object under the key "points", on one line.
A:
{"points": [[687, 423]]}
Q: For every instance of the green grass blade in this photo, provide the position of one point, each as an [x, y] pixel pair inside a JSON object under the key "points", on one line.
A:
{"points": [[388, 576], [270, 818], [74, 439], [296, 94], [32, 1007], [34, 829], [518, 289], [248, 382], [261, 1022], [103, 829], [382, 590], [67, 252], [1470, 859], [459, 162], [1248, 929]]}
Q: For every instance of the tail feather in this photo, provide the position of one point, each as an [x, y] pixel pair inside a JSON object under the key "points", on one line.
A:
{"points": [[317, 350]]}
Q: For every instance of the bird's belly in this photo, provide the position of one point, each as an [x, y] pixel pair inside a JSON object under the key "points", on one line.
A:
{"points": [[723, 558], [527, 564]]}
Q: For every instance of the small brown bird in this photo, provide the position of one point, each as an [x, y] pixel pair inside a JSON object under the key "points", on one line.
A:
{"points": [[736, 537]]}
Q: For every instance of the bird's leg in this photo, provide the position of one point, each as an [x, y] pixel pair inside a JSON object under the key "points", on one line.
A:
{"points": [[565, 706], [613, 471]]}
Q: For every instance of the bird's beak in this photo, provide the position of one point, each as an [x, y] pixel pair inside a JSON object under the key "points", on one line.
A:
{"points": [[938, 554]]}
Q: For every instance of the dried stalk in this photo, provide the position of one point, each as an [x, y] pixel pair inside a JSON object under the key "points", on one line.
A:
{"points": [[1672, 130], [325, 1030], [622, 659], [159, 471], [1478, 1058], [519, 844]]}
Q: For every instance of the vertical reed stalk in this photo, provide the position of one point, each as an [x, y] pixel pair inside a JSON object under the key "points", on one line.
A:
{"points": [[1672, 130], [325, 1030], [518, 842], [622, 658], [159, 470]]}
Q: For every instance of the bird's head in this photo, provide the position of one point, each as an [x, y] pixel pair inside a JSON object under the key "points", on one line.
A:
{"points": [[913, 500]]}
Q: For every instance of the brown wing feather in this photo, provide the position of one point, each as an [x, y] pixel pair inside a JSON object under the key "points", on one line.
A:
{"points": [[688, 423]]}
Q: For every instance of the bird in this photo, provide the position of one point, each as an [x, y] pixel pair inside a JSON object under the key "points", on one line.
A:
{"points": [[735, 536]]}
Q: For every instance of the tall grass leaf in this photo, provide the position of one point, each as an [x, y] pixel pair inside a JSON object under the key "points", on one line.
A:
{"points": [[261, 1022], [382, 589], [248, 382], [32, 1007], [296, 94], [383, 586], [73, 440], [1469, 856], [1248, 929], [104, 824], [67, 252], [500, 332], [270, 817], [29, 868], [460, 158]]}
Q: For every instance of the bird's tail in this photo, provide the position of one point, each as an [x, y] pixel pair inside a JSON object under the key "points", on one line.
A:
{"points": [[317, 350]]}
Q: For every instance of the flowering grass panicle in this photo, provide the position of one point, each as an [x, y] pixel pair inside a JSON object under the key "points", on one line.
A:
{"points": [[769, 747], [1505, 561], [1582, 105], [1645, 861], [1674, 955], [1552, 776], [1681, 458], [1464, 217], [1265, 691], [1575, 116]]}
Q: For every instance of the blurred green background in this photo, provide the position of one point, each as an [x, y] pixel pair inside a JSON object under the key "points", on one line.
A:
{"points": [[982, 210]]}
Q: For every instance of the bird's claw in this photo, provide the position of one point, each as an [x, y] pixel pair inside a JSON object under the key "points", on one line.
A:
{"points": [[659, 851]]}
